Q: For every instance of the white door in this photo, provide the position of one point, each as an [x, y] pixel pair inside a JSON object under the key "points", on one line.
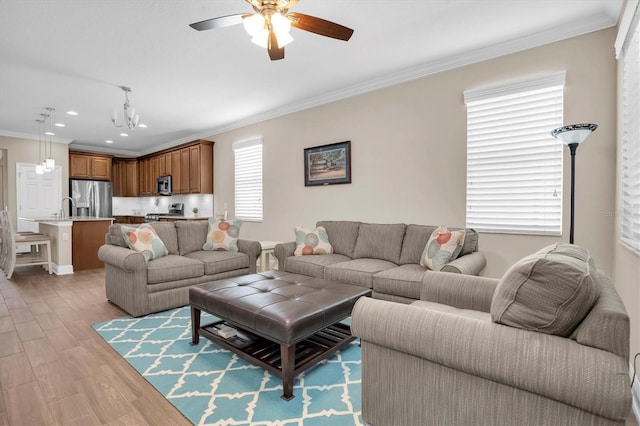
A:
{"points": [[37, 195]]}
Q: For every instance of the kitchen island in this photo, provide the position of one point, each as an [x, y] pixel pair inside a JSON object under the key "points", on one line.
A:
{"points": [[74, 241]]}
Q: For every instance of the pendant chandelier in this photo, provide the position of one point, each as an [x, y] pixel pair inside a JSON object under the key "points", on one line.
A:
{"points": [[49, 164], [40, 166], [130, 118]]}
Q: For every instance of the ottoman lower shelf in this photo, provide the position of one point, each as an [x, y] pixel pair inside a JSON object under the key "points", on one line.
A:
{"points": [[284, 361]]}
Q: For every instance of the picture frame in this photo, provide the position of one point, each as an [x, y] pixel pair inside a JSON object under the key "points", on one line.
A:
{"points": [[327, 164]]}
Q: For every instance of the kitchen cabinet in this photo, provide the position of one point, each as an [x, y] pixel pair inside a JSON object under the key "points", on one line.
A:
{"points": [[190, 167], [89, 166], [175, 171], [86, 239], [125, 177], [128, 219]]}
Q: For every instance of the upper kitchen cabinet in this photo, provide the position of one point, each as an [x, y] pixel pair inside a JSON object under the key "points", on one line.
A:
{"points": [[89, 166], [201, 168], [125, 177]]}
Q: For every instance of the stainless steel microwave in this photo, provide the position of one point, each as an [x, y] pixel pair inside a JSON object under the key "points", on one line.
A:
{"points": [[164, 185]]}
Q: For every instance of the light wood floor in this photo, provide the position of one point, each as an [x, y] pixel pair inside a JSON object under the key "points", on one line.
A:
{"points": [[55, 369]]}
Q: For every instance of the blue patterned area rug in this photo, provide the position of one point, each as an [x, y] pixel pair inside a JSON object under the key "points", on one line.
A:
{"points": [[213, 386]]}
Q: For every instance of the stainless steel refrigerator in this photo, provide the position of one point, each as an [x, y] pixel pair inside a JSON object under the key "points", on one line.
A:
{"points": [[91, 198]]}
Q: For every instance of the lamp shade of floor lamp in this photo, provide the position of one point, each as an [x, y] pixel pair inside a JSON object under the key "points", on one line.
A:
{"points": [[572, 136]]}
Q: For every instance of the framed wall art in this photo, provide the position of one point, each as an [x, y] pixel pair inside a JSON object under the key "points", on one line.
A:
{"points": [[327, 164]]}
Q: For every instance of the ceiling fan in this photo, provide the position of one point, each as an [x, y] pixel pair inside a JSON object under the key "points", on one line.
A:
{"points": [[271, 23]]}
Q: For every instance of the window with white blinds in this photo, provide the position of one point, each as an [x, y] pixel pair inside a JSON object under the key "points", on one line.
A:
{"points": [[630, 201], [248, 180], [514, 165]]}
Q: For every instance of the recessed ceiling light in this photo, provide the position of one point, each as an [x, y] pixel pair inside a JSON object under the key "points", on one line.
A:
{"points": [[144, 126], [49, 133], [59, 124], [72, 113], [124, 134], [108, 141]]}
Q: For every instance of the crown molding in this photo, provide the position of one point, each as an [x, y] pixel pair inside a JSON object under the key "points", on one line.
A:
{"points": [[105, 150], [552, 35], [30, 136]]}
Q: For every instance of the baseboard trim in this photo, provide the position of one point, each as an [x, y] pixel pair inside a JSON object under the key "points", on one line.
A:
{"points": [[62, 269]]}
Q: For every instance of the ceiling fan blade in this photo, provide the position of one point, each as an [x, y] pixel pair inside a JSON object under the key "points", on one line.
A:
{"points": [[275, 53], [219, 22], [319, 26]]}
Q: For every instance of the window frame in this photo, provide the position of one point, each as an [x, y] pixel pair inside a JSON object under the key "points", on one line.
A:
{"points": [[243, 151]]}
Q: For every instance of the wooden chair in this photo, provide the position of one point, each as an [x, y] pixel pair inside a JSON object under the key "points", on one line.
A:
{"points": [[40, 244]]}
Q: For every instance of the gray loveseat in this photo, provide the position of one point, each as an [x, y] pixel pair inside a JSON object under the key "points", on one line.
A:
{"points": [[382, 257], [140, 288], [448, 359]]}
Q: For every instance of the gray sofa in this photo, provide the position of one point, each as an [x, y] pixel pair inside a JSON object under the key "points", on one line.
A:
{"points": [[383, 257], [141, 288], [445, 359]]}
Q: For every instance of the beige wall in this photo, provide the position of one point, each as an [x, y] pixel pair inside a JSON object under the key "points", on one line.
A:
{"points": [[26, 151], [409, 153]]}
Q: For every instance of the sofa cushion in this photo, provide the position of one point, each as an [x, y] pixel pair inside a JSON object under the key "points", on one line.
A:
{"points": [[342, 235], [312, 265], [114, 235], [404, 281], [416, 237], [550, 291], [312, 241], [378, 241], [192, 234], [173, 268], [443, 247], [358, 271], [144, 239], [218, 261], [222, 234], [167, 233]]}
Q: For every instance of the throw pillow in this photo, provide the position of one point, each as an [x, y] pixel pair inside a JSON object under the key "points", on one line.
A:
{"points": [[223, 234], [443, 247], [550, 291], [145, 240], [312, 242]]}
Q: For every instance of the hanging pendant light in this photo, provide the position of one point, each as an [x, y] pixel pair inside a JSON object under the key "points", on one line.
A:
{"points": [[50, 163], [40, 166]]}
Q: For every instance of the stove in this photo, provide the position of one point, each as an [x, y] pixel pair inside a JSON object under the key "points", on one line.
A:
{"points": [[175, 209]]}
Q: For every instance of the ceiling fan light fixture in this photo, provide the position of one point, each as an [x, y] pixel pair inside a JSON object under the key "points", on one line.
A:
{"points": [[254, 24], [261, 39], [281, 26]]}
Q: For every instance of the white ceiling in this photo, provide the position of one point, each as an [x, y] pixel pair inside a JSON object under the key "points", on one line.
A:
{"points": [[73, 55]]}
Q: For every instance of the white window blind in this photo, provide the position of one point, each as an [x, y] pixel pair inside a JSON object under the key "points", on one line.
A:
{"points": [[514, 165], [248, 179], [630, 202]]}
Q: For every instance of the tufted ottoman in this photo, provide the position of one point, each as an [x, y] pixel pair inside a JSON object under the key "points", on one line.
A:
{"points": [[284, 322]]}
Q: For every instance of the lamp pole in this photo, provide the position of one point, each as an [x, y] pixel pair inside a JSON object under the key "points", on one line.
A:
{"points": [[572, 149]]}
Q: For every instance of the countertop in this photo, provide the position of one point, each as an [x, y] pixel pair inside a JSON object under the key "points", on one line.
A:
{"points": [[68, 219]]}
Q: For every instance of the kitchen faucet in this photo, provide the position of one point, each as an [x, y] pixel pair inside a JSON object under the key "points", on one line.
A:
{"points": [[73, 203]]}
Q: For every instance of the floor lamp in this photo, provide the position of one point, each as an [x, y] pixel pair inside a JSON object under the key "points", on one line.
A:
{"points": [[572, 136]]}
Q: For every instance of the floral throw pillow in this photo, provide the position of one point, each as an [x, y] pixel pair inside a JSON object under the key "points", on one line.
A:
{"points": [[144, 240], [443, 247], [312, 242], [223, 234]]}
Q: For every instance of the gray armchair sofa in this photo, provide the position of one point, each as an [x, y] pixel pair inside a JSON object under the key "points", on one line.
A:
{"points": [[382, 257], [445, 360], [141, 287]]}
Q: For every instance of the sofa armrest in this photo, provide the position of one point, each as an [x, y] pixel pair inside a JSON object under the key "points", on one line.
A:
{"points": [[558, 368], [253, 249], [282, 251], [458, 290], [122, 258], [469, 264]]}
